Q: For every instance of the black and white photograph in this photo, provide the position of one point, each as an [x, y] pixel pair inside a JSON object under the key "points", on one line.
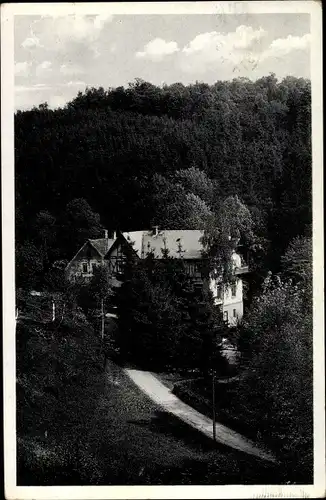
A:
{"points": [[163, 267]]}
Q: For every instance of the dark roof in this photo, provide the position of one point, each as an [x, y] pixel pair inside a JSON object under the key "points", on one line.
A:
{"points": [[187, 240], [102, 245]]}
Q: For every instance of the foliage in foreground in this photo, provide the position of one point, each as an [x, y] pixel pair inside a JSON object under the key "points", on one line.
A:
{"points": [[272, 401], [164, 321], [277, 345], [57, 368], [75, 430]]}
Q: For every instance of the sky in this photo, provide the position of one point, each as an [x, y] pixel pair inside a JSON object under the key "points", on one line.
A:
{"points": [[57, 56]]}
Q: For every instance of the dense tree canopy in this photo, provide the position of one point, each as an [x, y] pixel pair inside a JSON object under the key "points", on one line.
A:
{"points": [[168, 155], [277, 344], [232, 159], [165, 322]]}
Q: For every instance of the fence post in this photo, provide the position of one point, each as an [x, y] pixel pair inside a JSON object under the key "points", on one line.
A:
{"points": [[63, 311], [53, 310]]}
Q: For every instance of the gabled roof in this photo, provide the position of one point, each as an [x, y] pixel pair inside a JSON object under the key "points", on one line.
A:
{"points": [[185, 243], [135, 238], [102, 245]]}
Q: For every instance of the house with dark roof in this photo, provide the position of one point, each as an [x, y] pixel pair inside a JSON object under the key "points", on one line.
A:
{"points": [[88, 257], [183, 244]]}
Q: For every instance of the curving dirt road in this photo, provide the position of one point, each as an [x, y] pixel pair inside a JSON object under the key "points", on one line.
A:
{"points": [[140, 443]]}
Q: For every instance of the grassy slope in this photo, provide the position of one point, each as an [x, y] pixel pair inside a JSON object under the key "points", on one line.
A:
{"points": [[100, 428]]}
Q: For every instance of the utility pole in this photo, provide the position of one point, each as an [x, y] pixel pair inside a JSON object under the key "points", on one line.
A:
{"points": [[102, 319], [102, 333], [213, 402]]}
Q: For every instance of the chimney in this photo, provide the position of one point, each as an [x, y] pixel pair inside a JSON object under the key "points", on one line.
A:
{"points": [[114, 235], [106, 234], [155, 230]]}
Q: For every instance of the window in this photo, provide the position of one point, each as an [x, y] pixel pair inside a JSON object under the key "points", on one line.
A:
{"points": [[85, 267], [120, 265], [226, 316], [234, 313], [94, 267], [120, 253], [190, 268], [116, 264], [198, 269], [234, 290]]}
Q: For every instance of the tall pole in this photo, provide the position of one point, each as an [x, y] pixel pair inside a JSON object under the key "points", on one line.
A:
{"points": [[102, 315], [213, 402]]}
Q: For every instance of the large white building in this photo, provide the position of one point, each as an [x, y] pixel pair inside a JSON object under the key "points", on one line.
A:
{"points": [[183, 244]]}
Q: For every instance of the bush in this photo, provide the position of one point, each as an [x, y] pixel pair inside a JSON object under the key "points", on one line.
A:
{"points": [[43, 465], [56, 369], [277, 341], [164, 322]]}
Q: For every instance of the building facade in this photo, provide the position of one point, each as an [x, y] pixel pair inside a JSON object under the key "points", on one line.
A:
{"points": [[89, 256], [177, 244], [230, 298]]}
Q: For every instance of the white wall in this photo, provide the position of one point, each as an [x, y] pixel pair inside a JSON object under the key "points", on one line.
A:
{"points": [[230, 309], [228, 302], [236, 260]]}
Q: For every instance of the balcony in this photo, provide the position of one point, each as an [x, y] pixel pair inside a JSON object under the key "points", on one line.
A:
{"points": [[241, 270], [197, 279]]}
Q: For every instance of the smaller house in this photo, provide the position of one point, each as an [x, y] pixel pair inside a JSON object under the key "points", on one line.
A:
{"points": [[90, 255]]}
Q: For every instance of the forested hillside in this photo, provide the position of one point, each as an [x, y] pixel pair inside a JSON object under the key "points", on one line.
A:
{"points": [[106, 158], [234, 159]]}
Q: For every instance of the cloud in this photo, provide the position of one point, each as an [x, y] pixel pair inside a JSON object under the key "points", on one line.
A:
{"points": [[283, 46], [43, 69], [71, 69], [55, 94], [31, 42], [214, 43], [56, 32], [236, 47], [243, 51], [46, 65], [101, 19], [76, 27], [158, 48], [22, 68], [57, 101], [33, 88], [76, 83], [98, 50]]}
